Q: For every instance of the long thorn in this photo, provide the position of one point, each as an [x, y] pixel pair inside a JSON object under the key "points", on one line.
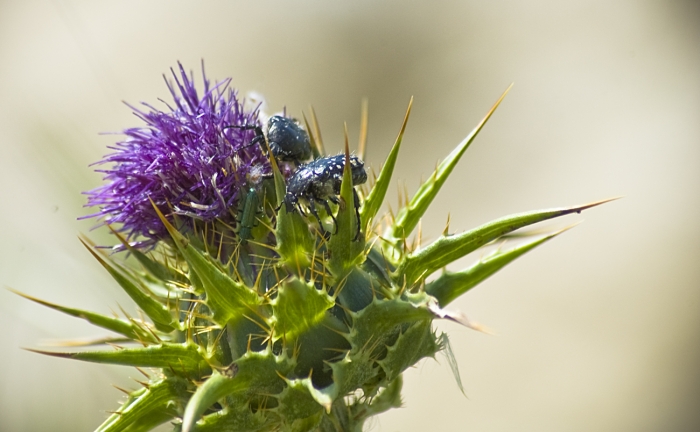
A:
{"points": [[317, 131], [364, 121]]}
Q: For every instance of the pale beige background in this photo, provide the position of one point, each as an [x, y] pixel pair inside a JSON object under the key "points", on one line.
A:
{"points": [[597, 330]]}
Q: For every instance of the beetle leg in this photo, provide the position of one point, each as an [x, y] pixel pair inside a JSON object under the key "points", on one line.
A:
{"points": [[260, 139], [356, 200], [312, 208], [330, 213]]}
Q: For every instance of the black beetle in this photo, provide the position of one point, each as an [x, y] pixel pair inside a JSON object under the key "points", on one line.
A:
{"points": [[319, 181], [286, 139]]}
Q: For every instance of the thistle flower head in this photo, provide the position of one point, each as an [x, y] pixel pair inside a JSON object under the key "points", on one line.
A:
{"points": [[186, 160], [261, 316]]}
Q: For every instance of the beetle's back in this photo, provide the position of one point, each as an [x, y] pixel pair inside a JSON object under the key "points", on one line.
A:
{"points": [[287, 139]]}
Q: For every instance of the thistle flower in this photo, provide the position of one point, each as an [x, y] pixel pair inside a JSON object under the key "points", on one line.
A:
{"points": [[187, 160], [265, 307]]}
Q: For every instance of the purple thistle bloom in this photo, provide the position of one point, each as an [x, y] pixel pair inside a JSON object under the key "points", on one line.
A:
{"points": [[185, 160]]}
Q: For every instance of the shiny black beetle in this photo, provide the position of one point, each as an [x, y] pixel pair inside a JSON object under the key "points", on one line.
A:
{"points": [[319, 182], [286, 139]]}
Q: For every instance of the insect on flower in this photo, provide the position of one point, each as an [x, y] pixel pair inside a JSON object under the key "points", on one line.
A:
{"points": [[286, 139], [319, 181], [247, 216]]}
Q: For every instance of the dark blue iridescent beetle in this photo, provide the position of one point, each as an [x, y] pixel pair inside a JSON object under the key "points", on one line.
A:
{"points": [[286, 139], [319, 182]]}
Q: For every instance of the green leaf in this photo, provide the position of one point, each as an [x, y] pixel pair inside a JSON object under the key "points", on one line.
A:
{"points": [[237, 417], [182, 359], [148, 407], [358, 289], [249, 333], [300, 401], [378, 323], [311, 423], [226, 298], [256, 373], [344, 246], [448, 248], [152, 266], [449, 285], [374, 200], [156, 268], [379, 267], [320, 345], [155, 310], [298, 307], [126, 328], [295, 244], [216, 387], [415, 343], [408, 217], [350, 373], [389, 398]]}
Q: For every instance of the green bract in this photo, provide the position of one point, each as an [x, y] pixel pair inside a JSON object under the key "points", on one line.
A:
{"points": [[267, 326]]}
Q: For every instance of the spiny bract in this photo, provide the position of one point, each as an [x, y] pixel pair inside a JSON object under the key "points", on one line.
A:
{"points": [[256, 321]]}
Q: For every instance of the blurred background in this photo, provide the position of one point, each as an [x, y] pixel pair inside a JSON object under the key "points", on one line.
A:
{"points": [[597, 330]]}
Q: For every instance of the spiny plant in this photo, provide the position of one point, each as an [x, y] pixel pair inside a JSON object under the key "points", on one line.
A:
{"points": [[265, 308]]}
